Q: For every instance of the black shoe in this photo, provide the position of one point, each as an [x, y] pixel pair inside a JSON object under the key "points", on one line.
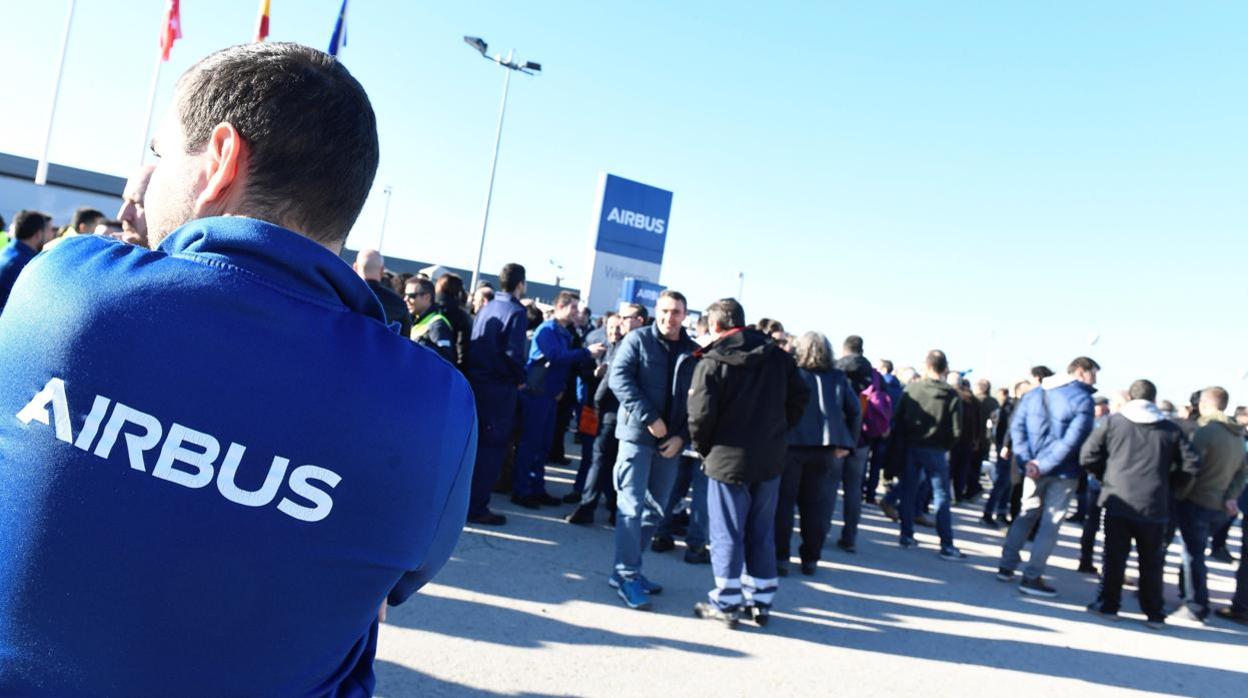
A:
{"points": [[698, 556], [809, 568], [489, 518], [709, 611], [547, 500], [889, 510], [611, 518], [761, 614], [1037, 587], [989, 522], [582, 516], [1228, 613], [1077, 519], [782, 568], [1087, 567], [847, 547], [572, 498], [925, 521], [1221, 554], [662, 544], [527, 501], [1004, 575], [1096, 609]]}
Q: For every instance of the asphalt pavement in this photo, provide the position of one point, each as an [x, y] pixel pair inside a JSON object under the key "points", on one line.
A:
{"points": [[525, 610]]}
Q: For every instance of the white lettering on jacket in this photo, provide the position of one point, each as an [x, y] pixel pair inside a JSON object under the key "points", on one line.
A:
{"points": [[187, 457]]}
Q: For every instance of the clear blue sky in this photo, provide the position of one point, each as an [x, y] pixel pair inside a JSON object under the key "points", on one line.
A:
{"points": [[1002, 180]]}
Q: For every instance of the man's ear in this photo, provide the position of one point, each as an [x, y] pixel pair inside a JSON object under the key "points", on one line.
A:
{"points": [[224, 170]]}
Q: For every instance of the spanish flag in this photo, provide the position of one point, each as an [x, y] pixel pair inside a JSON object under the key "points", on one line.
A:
{"points": [[262, 24]]}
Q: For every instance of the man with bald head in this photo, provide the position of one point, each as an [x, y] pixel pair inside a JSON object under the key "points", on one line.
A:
{"points": [[133, 213], [250, 469], [371, 267]]}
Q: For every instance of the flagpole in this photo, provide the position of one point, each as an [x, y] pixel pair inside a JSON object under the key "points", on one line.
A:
{"points": [[151, 106], [41, 172]]}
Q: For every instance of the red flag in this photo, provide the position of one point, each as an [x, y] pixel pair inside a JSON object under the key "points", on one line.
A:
{"points": [[262, 24], [172, 31]]}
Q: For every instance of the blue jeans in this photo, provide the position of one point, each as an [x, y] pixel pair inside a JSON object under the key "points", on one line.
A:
{"points": [[537, 428], [999, 498], [688, 473], [847, 473], [643, 483], [931, 464], [587, 461], [743, 542], [1046, 500], [1196, 523]]}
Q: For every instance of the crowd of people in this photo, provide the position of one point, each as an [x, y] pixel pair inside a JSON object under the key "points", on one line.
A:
{"points": [[650, 428], [216, 307]]}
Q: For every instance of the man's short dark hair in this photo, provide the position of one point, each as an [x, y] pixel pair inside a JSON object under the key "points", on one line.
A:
{"points": [[566, 298], [27, 224], [86, 215], [888, 365], [1142, 390], [511, 277], [1041, 372], [1083, 363], [937, 361], [423, 285], [852, 345], [725, 314], [1218, 396], [676, 296], [451, 286], [309, 125]]}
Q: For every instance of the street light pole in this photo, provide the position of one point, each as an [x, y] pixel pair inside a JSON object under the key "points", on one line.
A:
{"points": [[489, 191], [385, 215], [528, 68], [740, 286]]}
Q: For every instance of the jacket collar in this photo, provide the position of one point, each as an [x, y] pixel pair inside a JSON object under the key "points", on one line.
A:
{"points": [[277, 256]]}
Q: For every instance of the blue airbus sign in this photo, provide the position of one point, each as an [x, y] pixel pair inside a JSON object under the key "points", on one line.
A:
{"points": [[641, 292], [632, 222]]}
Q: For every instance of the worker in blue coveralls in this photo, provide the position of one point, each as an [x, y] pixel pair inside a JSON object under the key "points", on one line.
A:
{"points": [[551, 357], [202, 492], [496, 369]]}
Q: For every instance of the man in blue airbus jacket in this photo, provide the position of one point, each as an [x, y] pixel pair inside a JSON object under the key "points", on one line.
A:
{"points": [[551, 357], [31, 230], [200, 493], [1048, 428], [496, 371]]}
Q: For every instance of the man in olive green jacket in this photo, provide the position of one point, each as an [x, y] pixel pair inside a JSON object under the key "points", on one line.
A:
{"points": [[1210, 497]]}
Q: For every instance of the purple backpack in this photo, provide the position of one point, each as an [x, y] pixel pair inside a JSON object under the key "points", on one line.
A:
{"points": [[877, 408]]}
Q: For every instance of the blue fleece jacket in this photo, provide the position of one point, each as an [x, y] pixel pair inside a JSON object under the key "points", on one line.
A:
{"points": [[13, 258], [1050, 425], [203, 491]]}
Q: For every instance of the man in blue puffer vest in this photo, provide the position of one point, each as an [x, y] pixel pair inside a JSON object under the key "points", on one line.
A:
{"points": [[203, 491], [1047, 429]]}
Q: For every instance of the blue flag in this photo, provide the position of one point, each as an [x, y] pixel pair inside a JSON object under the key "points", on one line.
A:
{"points": [[339, 39]]}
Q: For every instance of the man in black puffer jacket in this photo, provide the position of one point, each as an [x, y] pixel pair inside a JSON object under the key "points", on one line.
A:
{"points": [[1138, 455], [746, 394]]}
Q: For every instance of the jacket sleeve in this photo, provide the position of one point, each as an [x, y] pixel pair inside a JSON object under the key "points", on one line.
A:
{"points": [[852, 408], [956, 418], [1023, 451], [1236, 488], [703, 406], [514, 349], [447, 527], [1094, 454], [1186, 464], [556, 352], [1060, 449], [796, 395], [625, 367]]}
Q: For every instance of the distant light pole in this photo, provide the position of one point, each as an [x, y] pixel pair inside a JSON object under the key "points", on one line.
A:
{"points": [[740, 286], [385, 215], [558, 272], [529, 68]]}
